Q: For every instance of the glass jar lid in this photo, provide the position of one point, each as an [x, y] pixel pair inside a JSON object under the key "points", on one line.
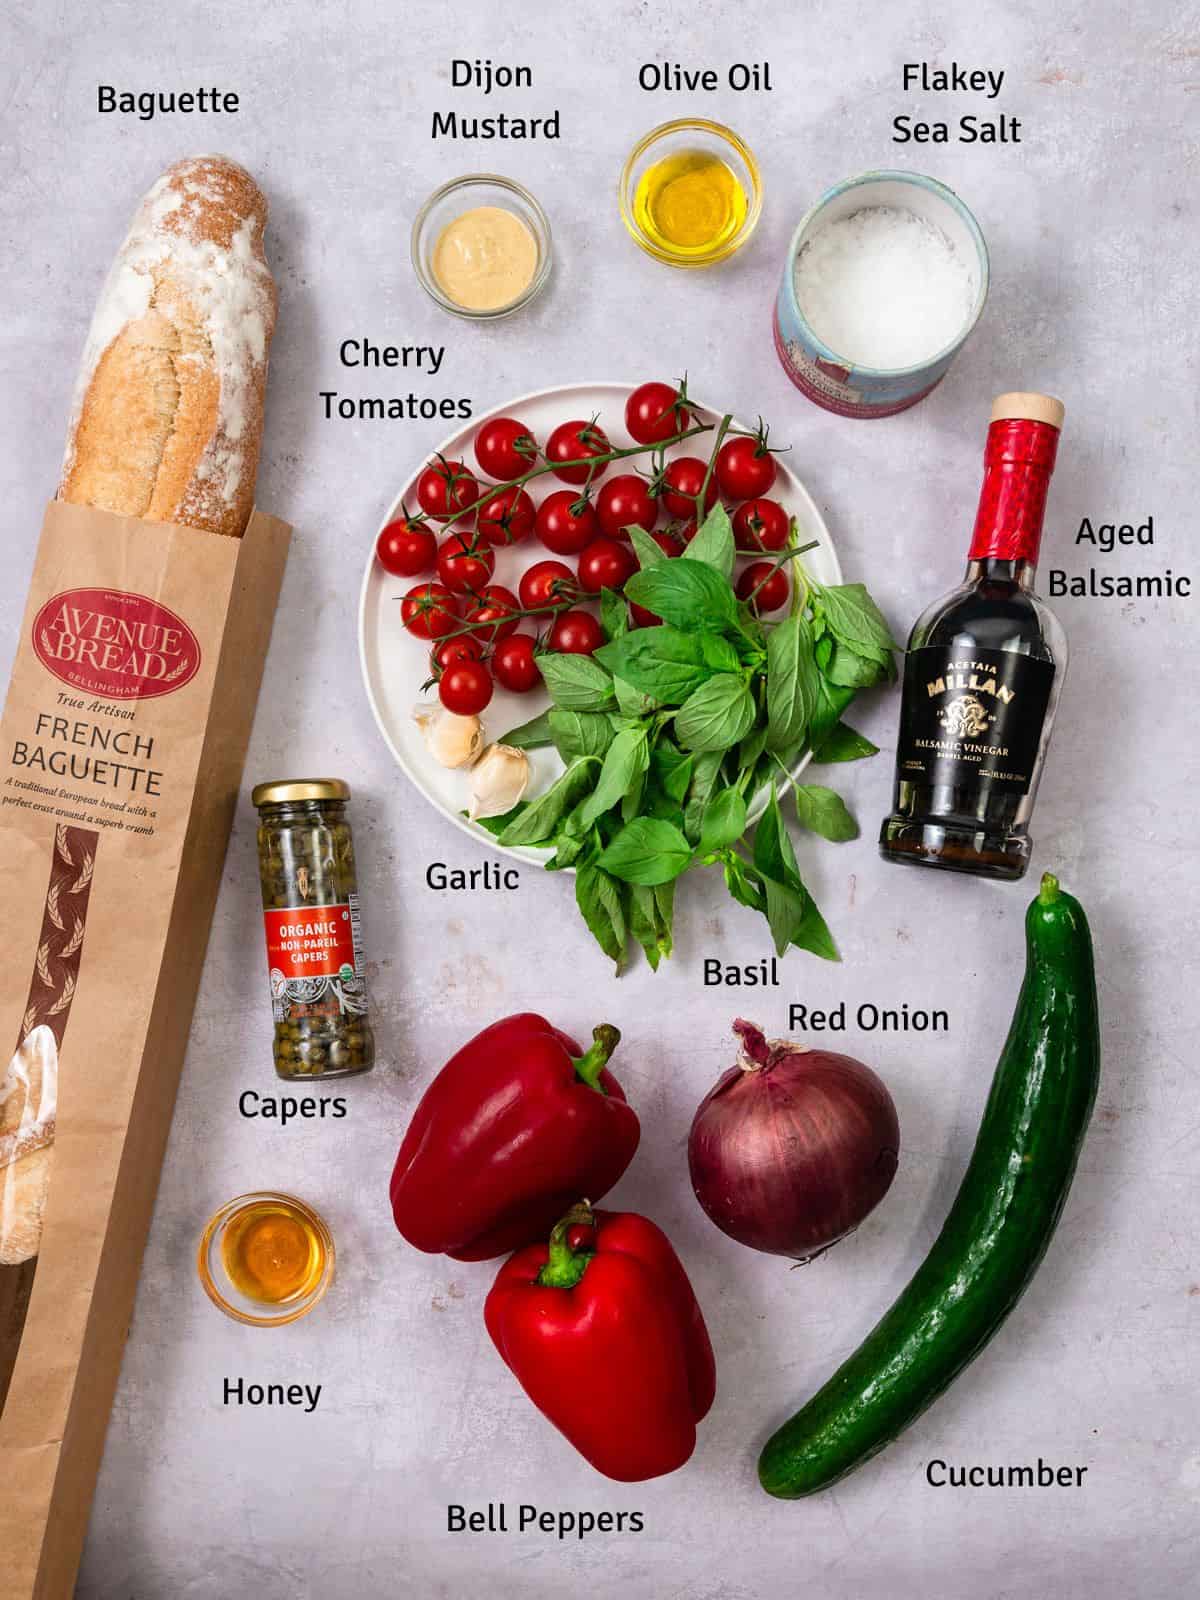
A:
{"points": [[285, 791]]}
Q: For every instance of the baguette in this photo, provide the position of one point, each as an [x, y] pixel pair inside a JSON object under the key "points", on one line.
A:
{"points": [[167, 419]]}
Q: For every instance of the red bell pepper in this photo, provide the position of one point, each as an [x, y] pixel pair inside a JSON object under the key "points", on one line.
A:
{"points": [[603, 1332], [512, 1129]]}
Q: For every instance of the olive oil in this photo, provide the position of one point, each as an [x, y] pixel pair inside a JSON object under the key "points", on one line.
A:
{"points": [[690, 205], [272, 1253]]}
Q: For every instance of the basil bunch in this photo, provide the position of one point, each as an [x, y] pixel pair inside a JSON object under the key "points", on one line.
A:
{"points": [[669, 733]]}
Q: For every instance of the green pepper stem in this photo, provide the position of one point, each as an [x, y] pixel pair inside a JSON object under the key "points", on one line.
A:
{"points": [[592, 1063], [1049, 891], [564, 1266]]}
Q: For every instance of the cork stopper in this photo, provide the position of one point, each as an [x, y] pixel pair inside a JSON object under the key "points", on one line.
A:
{"points": [[1029, 407]]}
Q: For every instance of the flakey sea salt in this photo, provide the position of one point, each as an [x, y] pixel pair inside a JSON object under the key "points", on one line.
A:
{"points": [[884, 287]]}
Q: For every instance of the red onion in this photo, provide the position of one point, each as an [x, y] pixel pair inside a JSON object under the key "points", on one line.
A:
{"points": [[792, 1148]]}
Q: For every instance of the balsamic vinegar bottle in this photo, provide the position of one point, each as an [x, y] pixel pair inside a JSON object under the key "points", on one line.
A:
{"points": [[983, 672]]}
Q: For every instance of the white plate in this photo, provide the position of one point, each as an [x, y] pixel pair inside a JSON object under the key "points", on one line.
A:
{"points": [[394, 664]]}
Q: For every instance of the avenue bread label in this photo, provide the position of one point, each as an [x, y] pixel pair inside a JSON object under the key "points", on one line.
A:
{"points": [[121, 750]]}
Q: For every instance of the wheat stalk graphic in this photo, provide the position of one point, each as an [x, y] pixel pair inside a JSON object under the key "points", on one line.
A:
{"points": [[62, 846], [64, 999], [85, 874], [52, 894], [74, 941]]}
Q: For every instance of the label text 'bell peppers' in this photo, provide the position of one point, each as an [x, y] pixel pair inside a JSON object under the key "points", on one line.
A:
{"points": [[515, 1127]]}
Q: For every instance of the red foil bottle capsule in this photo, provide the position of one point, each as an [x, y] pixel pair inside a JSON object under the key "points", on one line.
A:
{"points": [[983, 672]]}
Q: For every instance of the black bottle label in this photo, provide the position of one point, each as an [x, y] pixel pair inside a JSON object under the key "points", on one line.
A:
{"points": [[972, 718]]}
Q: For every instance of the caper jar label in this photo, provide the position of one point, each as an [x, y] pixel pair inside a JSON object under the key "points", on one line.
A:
{"points": [[313, 929]]}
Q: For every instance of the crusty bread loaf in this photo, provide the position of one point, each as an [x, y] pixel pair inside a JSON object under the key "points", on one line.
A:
{"points": [[28, 1113], [168, 411]]}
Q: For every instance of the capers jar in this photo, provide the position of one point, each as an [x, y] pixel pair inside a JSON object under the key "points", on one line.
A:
{"points": [[314, 942]]}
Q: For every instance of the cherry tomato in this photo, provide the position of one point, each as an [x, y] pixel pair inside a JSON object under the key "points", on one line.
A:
{"points": [[625, 502], [681, 484], [653, 413], [575, 441], [406, 548], [684, 532], [548, 584], [765, 585], [446, 487], [745, 468], [497, 605], [515, 664], [462, 647], [669, 541], [505, 517], [576, 633], [761, 525], [563, 529], [643, 618], [465, 564], [429, 611], [465, 688], [505, 448], [606, 564]]}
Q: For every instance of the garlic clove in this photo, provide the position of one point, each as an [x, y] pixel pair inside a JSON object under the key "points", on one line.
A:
{"points": [[498, 780], [453, 741]]}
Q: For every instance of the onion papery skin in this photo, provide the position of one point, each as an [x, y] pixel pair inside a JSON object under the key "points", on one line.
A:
{"points": [[792, 1148]]}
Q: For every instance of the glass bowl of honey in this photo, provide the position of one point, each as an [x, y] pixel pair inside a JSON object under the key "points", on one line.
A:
{"points": [[691, 193], [265, 1259]]}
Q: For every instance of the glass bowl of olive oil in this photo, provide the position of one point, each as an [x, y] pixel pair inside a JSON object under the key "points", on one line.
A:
{"points": [[691, 193], [265, 1259]]}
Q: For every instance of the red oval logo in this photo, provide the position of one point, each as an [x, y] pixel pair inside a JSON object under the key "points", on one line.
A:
{"points": [[113, 644]]}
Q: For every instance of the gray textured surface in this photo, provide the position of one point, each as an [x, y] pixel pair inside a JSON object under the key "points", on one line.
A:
{"points": [[1091, 223]]}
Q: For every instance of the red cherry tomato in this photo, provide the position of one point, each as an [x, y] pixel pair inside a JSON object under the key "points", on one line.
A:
{"points": [[515, 664], [606, 564], [465, 564], [576, 633], [505, 448], [546, 585], [761, 525], [462, 647], [505, 517], [765, 585], [497, 605], [446, 487], [429, 611], [406, 548], [653, 413], [682, 482], [465, 688], [575, 442], [669, 541], [745, 468], [562, 528], [625, 502], [643, 618], [684, 532]]}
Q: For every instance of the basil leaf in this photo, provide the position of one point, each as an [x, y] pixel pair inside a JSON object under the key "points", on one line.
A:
{"points": [[704, 780], [785, 912], [831, 702], [713, 542], [647, 850], [824, 812], [673, 770], [531, 735], [716, 715], [718, 652], [497, 825], [743, 884], [599, 900], [626, 762], [650, 913], [851, 671], [576, 683], [854, 619], [579, 733], [685, 593], [614, 614], [633, 702], [843, 743], [813, 935], [791, 684], [648, 553], [663, 662], [539, 820], [751, 748], [724, 820], [567, 850], [773, 853]]}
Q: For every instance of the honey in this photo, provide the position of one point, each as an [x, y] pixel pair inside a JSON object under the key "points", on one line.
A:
{"points": [[272, 1253], [690, 205]]}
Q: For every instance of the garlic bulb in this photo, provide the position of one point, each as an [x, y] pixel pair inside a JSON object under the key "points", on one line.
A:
{"points": [[498, 780], [453, 741]]}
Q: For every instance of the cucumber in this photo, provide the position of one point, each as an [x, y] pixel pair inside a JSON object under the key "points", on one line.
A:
{"points": [[998, 1229]]}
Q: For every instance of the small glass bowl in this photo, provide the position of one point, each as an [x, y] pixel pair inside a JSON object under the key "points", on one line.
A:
{"points": [[448, 203], [670, 138], [227, 1296]]}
